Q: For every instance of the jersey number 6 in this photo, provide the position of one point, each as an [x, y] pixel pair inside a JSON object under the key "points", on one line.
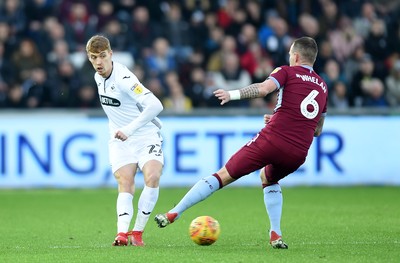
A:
{"points": [[310, 100]]}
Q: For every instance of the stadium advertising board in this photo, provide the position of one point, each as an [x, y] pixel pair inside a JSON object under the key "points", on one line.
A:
{"points": [[71, 151]]}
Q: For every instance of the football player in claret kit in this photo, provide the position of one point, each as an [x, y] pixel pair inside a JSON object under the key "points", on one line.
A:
{"points": [[135, 140], [281, 147]]}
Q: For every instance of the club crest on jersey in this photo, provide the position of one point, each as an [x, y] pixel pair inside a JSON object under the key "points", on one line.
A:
{"points": [[276, 70], [137, 88], [109, 101]]}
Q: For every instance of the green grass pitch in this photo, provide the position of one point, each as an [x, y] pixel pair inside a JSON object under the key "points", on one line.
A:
{"points": [[320, 224]]}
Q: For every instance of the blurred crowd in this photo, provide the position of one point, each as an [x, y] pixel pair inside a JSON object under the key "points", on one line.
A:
{"points": [[184, 50]]}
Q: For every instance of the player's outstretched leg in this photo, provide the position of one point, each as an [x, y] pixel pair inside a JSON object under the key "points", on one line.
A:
{"points": [[276, 241], [164, 220], [200, 191]]}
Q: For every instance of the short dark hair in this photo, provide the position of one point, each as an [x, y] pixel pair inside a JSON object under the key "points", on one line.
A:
{"points": [[307, 47]]}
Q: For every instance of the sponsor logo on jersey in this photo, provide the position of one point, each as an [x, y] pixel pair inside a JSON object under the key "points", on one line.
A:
{"points": [[137, 88], [109, 101], [276, 70]]}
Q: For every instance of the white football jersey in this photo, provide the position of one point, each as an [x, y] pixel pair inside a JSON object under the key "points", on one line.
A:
{"points": [[121, 96]]}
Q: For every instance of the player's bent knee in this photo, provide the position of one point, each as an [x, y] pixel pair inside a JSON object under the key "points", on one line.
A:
{"points": [[152, 179]]}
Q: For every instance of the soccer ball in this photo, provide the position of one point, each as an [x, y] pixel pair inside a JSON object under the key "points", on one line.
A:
{"points": [[204, 230]]}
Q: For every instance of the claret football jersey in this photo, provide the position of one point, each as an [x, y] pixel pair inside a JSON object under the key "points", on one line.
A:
{"points": [[302, 99]]}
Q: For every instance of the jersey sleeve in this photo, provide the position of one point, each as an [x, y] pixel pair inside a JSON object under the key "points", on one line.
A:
{"points": [[279, 76]]}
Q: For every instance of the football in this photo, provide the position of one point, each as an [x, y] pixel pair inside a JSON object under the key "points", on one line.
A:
{"points": [[204, 230]]}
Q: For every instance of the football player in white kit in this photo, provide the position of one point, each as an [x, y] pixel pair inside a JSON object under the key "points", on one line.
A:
{"points": [[135, 140]]}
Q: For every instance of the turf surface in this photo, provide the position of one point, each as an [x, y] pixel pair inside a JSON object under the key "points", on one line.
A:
{"points": [[354, 224]]}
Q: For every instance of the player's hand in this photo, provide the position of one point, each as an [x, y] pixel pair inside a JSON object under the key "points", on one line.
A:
{"points": [[267, 117], [120, 135], [222, 95]]}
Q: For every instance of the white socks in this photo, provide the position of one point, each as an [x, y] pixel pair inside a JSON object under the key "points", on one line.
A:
{"points": [[273, 201], [124, 211], [147, 200]]}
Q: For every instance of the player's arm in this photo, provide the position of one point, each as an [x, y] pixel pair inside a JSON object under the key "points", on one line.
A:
{"points": [[255, 90], [320, 124], [152, 107]]}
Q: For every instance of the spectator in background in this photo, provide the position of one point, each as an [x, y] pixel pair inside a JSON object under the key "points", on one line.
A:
{"points": [[7, 72], [176, 100], [78, 25], [198, 31], [59, 53], [338, 96], [344, 39], [309, 26], [195, 60], [26, 58], [38, 89], [279, 42], [67, 82], [191, 7], [325, 53], [4, 89], [138, 70], [123, 9], [52, 32], [154, 85], [16, 97], [105, 13], [328, 18], [142, 32], [8, 41], [85, 97], [177, 32], [362, 23], [365, 73], [196, 89], [215, 61], [118, 37], [392, 82], [246, 36], [256, 61], [266, 29], [213, 42], [161, 60], [352, 64], [377, 45], [374, 91], [332, 73], [12, 12], [239, 19], [232, 76], [39, 10], [394, 40], [226, 12], [65, 7], [254, 15]]}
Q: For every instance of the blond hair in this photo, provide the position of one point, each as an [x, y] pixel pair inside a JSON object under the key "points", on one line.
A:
{"points": [[97, 44]]}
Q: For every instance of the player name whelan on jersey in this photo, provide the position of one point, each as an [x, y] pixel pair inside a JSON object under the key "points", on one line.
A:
{"points": [[313, 80], [109, 101]]}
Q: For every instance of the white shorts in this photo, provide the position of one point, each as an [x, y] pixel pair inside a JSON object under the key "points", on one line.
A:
{"points": [[136, 149]]}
